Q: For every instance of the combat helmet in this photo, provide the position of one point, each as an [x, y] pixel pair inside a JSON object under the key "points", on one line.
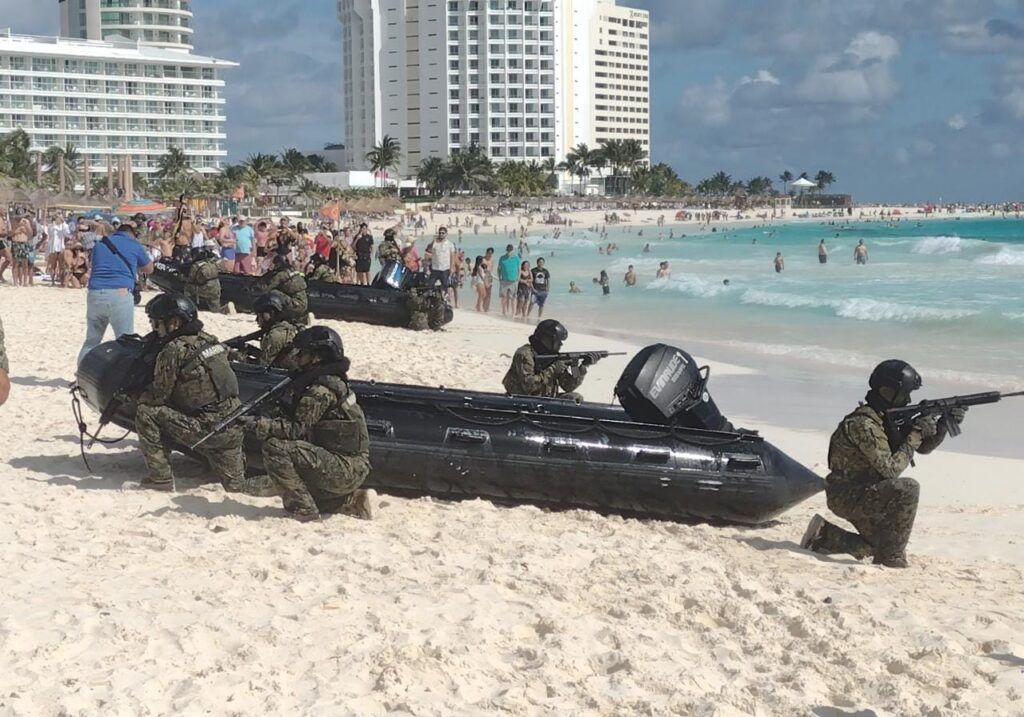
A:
{"points": [[899, 377], [324, 342], [549, 335], [172, 305]]}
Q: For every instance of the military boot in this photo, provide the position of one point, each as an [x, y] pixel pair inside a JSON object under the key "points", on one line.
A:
{"points": [[362, 504], [813, 533], [164, 486], [892, 561]]}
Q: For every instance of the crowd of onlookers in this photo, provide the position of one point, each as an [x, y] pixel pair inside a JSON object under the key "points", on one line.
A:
{"points": [[58, 249]]}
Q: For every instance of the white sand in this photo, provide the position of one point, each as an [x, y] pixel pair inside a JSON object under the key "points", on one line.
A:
{"points": [[133, 603]]}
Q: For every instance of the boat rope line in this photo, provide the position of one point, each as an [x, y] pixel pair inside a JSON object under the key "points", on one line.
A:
{"points": [[593, 424], [83, 428]]}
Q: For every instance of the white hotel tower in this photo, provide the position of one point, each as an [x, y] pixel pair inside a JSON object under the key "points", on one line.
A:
{"points": [[523, 79], [121, 81]]}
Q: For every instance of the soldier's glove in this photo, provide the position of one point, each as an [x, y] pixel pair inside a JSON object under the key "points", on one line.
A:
{"points": [[957, 415], [927, 426], [254, 425], [590, 359]]}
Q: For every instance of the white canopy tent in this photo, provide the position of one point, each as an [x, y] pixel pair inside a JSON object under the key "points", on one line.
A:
{"points": [[803, 183]]}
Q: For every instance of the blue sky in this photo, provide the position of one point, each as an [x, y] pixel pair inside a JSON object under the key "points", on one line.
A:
{"points": [[904, 100]]}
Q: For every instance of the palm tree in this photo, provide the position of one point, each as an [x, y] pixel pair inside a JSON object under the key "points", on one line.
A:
{"points": [[471, 170], [823, 179], [431, 174], [310, 192], [16, 157], [786, 178], [317, 163], [260, 169], [173, 164], [62, 162], [580, 160], [385, 155], [550, 168], [294, 163]]}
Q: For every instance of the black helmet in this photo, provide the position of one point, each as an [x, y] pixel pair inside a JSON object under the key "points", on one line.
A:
{"points": [[280, 260], [898, 376], [269, 303], [389, 234], [169, 306], [317, 259], [549, 335], [322, 341], [198, 253]]}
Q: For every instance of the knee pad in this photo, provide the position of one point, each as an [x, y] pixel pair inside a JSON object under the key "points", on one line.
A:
{"points": [[908, 487]]}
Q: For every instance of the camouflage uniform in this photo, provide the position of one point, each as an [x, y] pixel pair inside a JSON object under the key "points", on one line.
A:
{"points": [[3, 350], [865, 487], [202, 284], [193, 387], [323, 273], [426, 309], [524, 378], [320, 455], [275, 343], [388, 251], [291, 286]]}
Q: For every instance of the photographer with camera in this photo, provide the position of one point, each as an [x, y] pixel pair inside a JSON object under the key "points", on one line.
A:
{"points": [[116, 262]]}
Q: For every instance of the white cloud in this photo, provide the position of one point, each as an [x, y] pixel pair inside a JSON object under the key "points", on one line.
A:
{"points": [[860, 76], [1013, 101], [957, 122], [868, 46], [707, 104], [763, 76]]}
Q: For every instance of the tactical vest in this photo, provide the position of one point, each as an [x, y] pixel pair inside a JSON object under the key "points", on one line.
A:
{"points": [[342, 430], [205, 378]]}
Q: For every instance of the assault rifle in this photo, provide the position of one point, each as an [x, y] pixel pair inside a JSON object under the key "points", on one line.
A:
{"points": [[899, 422], [243, 410], [136, 378], [241, 343], [580, 355]]}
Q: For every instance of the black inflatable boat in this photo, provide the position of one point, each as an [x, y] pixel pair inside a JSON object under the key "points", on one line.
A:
{"points": [[456, 444], [344, 302]]}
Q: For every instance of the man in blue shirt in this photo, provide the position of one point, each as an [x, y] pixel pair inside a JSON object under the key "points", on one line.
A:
{"points": [[508, 278], [110, 300], [243, 246]]}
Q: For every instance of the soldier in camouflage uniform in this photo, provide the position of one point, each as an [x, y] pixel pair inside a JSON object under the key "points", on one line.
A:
{"points": [[5, 380], [291, 284], [320, 271], [549, 378], [427, 307], [864, 485], [202, 280], [276, 335], [318, 453], [193, 387], [388, 249]]}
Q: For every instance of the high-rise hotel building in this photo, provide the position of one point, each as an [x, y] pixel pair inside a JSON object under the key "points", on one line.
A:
{"points": [[523, 79], [120, 81]]}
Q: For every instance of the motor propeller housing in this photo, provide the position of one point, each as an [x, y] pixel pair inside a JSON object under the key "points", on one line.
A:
{"points": [[663, 384]]}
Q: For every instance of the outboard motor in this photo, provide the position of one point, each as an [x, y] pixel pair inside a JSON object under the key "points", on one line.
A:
{"points": [[662, 384], [393, 275]]}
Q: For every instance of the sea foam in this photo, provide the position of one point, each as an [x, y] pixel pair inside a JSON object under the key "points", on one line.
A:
{"points": [[1006, 256]]}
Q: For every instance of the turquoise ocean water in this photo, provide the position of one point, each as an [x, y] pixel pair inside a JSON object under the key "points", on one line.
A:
{"points": [[946, 295]]}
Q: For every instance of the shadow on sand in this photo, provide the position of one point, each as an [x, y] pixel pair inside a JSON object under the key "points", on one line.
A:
{"points": [[44, 382], [229, 507]]}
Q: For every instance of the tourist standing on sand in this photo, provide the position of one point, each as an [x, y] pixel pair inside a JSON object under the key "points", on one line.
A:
{"points": [[440, 255], [508, 278], [363, 246], [822, 252], [541, 287], [780, 263], [860, 253], [524, 289], [244, 238], [110, 301], [478, 282]]}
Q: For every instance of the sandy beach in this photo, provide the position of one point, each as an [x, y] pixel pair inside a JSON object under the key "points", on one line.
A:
{"points": [[130, 603]]}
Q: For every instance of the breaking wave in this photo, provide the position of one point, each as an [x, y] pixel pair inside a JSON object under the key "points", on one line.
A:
{"points": [[859, 309]]}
